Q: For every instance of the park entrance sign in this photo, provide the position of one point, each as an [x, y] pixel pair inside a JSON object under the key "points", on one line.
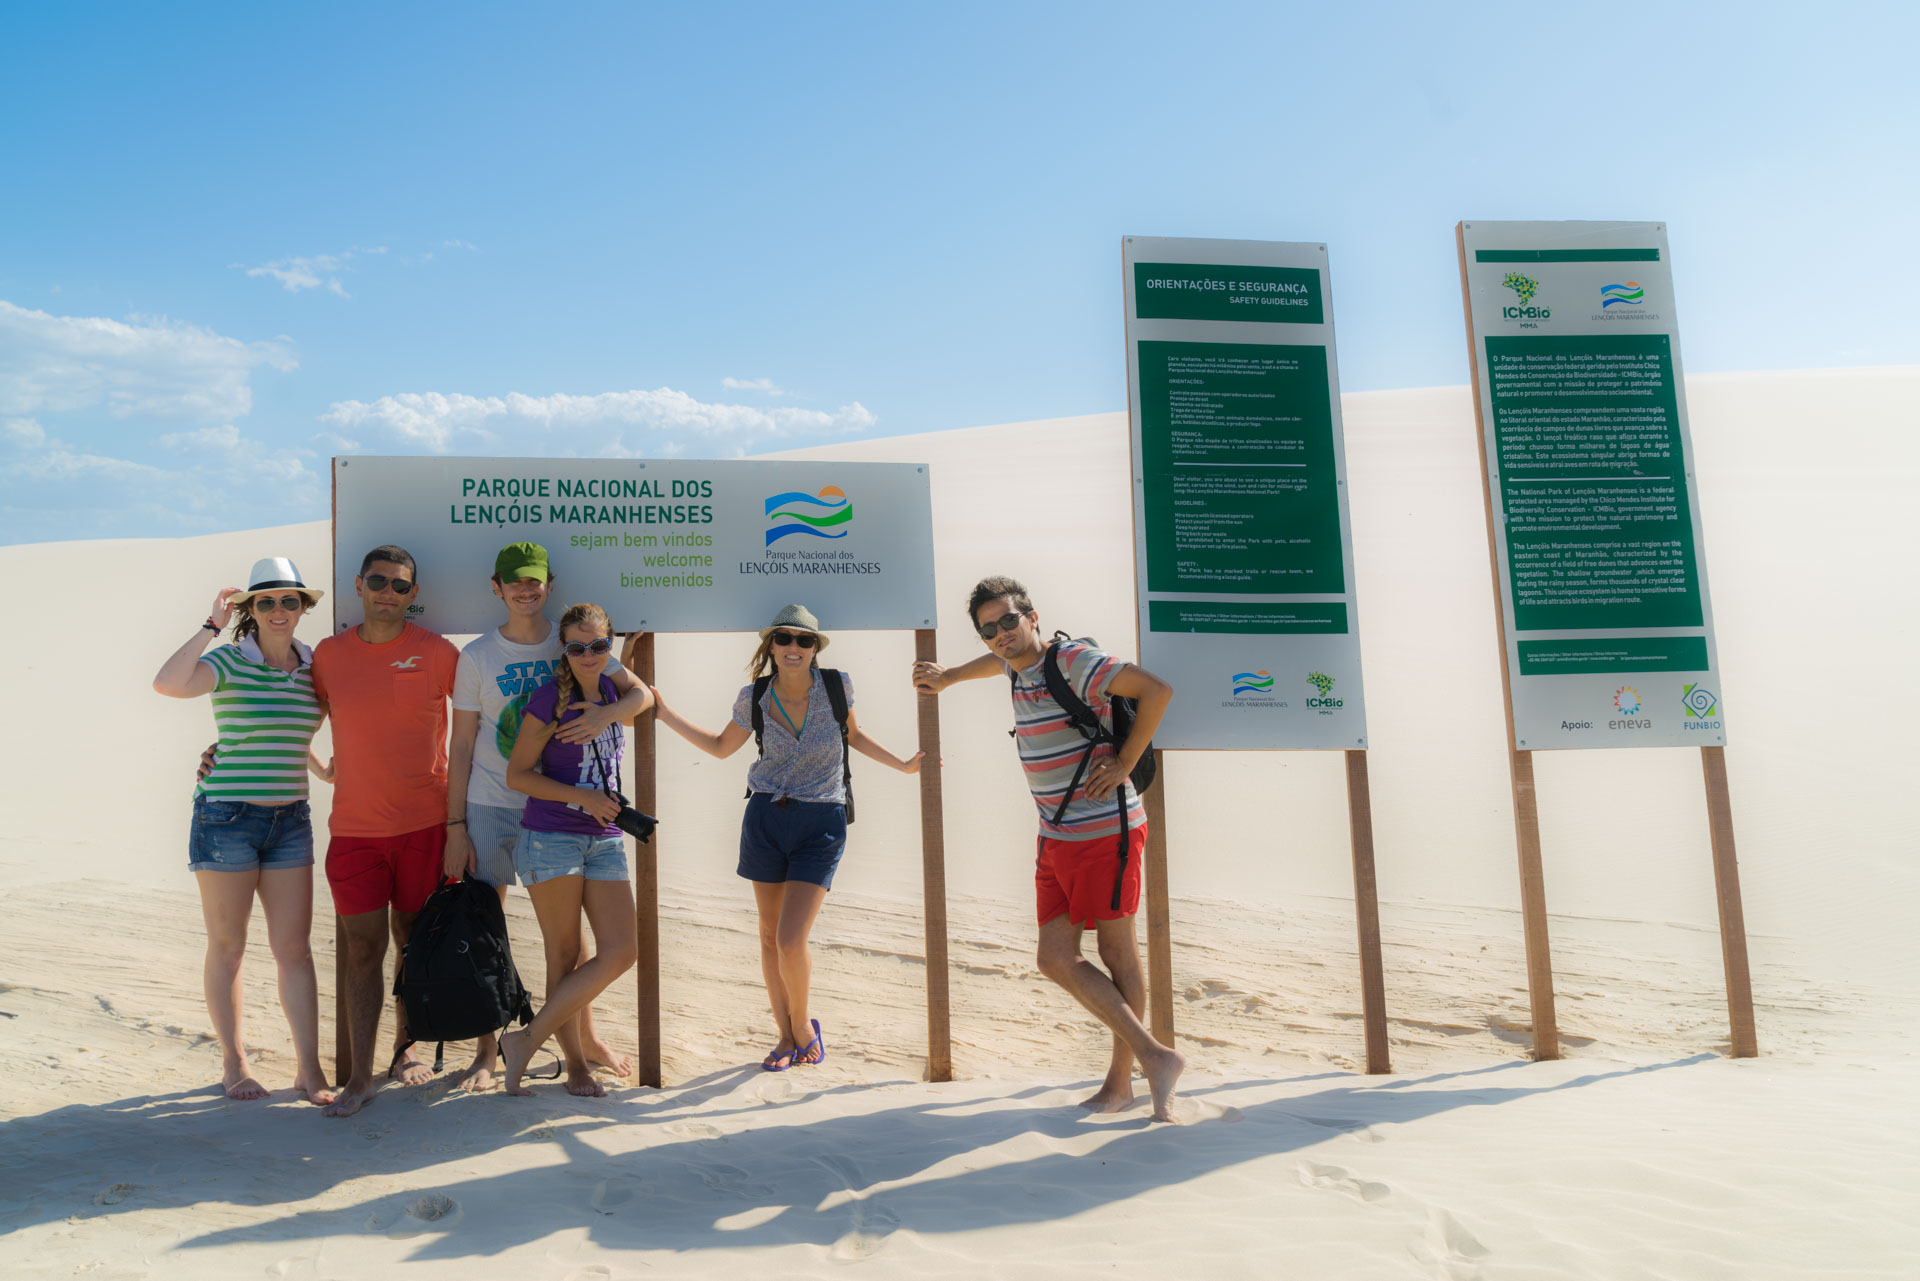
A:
{"points": [[1244, 556], [1605, 617], [662, 546]]}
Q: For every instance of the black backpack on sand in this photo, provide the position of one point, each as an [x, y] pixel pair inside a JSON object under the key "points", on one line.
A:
{"points": [[456, 977], [1087, 721], [837, 697]]}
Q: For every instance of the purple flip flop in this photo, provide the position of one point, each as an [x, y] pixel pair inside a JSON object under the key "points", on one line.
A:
{"points": [[818, 1042]]}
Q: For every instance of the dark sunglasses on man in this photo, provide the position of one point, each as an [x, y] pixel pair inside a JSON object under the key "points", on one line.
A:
{"points": [[380, 583], [267, 604], [580, 649], [805, 640], [1000, 626]]}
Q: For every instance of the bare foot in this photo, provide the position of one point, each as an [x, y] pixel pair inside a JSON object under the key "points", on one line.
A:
{"points": [[314, 1088], [516, 1051], [1110, 1098], [600, 1054], [410, 1070], [478, 1078], [351, 1098], [1162, 1070], [580, 1081], [239, 1084]]}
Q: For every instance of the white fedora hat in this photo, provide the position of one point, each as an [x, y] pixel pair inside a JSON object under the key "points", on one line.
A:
{"points": [[273, 572]]}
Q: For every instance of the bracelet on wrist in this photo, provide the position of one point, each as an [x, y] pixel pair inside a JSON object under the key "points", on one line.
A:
{"points": [[211, 626], [456, 822]]}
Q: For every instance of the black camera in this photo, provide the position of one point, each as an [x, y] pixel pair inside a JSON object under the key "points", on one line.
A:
{"points": [[632, 821]]}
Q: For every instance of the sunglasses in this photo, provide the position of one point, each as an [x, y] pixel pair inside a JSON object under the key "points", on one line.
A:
{"points": [[380, 583], [805, 640], [580, 649], [1000, 626], [267, 604]]}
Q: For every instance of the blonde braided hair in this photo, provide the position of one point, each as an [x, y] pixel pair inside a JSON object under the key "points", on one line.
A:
{"points": [[576, 615]]}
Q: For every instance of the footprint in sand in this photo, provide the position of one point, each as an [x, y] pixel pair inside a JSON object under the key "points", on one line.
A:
{"points": [[1335, 1179], [116, 1194], [434, 1212], [691, 1130], [1455, 1250], [592, 1272], [610, 1194]]}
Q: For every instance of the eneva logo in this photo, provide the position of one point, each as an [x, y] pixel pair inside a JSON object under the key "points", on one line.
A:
{"points": [[1524, 288], [1626, 700], [1326, 702], [815, 515], [1254, 683]]}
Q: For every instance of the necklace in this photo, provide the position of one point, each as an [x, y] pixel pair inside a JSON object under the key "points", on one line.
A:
{"points": [[782, 709]]}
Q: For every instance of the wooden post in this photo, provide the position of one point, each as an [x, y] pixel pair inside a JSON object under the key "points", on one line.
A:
{"points": [[1526, 816], [933, 872], [1159, 910], [342, 1044], [637, 656], [1733, 921], [1366, 910]]}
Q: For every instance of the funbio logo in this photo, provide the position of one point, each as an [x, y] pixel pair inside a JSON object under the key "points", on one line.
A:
{"points": [[1524, 288], [816, 515], [1629, 295], [1255, 683]]}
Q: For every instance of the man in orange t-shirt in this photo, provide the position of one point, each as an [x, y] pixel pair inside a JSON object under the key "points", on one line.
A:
{"points": [[385, 685]]}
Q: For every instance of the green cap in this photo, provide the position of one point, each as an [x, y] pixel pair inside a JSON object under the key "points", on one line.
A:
{"points": [[522, 560]]}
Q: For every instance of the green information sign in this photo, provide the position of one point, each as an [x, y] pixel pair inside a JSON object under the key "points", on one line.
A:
{"points": [[1237, 448], [1244, 562], [1605, 612]]}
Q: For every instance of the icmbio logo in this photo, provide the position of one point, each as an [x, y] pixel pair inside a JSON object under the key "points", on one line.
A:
{"points": [[1524, 288], [1326, 702]]}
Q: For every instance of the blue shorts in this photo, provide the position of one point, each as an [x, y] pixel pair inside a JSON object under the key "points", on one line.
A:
{"points": [[541, 856], [792, 840], [235, 836], [495, 833]]}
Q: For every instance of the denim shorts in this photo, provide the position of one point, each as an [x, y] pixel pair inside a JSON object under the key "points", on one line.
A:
{"points": [[235, 836], [792, 840], [495, 832], [541, 856]]}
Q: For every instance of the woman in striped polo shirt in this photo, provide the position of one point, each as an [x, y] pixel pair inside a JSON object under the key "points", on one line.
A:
{"points": [[252, 833]]}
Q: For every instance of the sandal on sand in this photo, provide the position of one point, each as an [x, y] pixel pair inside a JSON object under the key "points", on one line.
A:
{"points": [[817, 1043], [777, 1061]]}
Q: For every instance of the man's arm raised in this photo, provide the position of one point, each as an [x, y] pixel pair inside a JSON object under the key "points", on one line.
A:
{"points": [[931, 678]]}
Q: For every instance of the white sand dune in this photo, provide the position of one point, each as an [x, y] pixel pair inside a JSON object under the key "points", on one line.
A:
{"points": [[1643, 1153]]}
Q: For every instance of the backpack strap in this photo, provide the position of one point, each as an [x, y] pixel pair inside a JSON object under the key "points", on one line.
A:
{"points": [[1083, 719], [837, 696], [760, 684]]}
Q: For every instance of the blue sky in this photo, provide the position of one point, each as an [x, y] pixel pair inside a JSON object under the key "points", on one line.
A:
{"points": [[235, 242]]}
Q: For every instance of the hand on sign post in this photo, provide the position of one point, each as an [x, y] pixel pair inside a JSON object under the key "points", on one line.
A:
{"points": [[929, 678]]}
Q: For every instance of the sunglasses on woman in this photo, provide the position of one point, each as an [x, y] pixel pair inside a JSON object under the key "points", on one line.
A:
{"points": [[267, 604], [805, 640], [1000, 626], [380, 583], [580, 649]]}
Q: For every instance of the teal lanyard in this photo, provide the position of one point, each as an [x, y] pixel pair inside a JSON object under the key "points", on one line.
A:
{"points": [[782, 709]]}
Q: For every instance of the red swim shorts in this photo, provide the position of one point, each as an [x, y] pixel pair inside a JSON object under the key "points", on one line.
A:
{"points": [[1076, 877], [367, 873]]}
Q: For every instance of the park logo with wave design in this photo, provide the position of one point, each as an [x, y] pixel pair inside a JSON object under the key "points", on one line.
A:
{"points": [[822, 515], [1629, 294], [1254, 683]]}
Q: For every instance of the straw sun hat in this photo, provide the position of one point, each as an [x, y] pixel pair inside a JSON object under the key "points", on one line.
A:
{"points": [[272, 573], [795, 618]]}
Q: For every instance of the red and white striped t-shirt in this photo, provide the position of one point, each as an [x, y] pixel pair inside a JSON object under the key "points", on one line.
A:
{"points": [[1051, 748]]}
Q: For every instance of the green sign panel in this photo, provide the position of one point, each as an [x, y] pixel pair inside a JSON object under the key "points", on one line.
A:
{"points": [[1193, 291], [1236, 445], [1587, 431]]}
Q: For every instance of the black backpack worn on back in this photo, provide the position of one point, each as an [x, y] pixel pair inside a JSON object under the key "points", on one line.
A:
{"points": [[1087, 721], [837, 696], [456, 978]]}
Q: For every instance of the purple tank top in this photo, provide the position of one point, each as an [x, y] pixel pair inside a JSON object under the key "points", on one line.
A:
{"points": [[574, 765]]}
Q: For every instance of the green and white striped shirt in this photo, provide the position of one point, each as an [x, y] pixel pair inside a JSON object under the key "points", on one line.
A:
{"points": [[266, 718]]}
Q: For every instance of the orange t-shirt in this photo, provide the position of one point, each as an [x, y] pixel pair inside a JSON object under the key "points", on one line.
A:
{"points": [[388, 704]]}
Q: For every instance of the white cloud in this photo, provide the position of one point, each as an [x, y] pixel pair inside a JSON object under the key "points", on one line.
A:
{"points": [[766, 385], [459, 244], [49, 487], [662, 418], [227, 437], [148, 366], [316, 272]]}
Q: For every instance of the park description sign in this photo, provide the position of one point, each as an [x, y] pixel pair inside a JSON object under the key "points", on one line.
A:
{"points": [[1243, 551], [1606, 619], [663, 546]]}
